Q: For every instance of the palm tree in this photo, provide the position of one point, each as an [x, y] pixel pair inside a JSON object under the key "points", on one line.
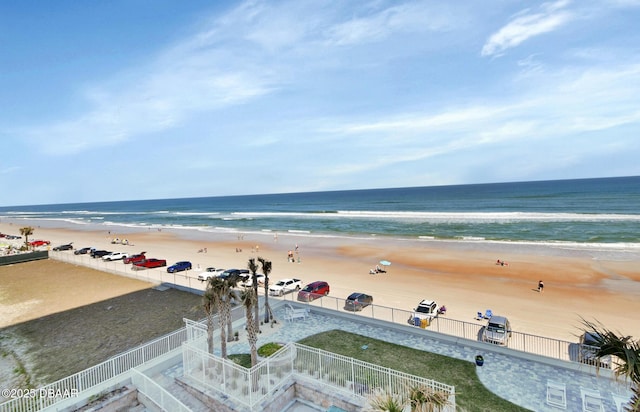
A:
{"points": [[253, 268], [220, 292], [26, 232], [416, 399], [266, 270], [209, 304], [627, 352], [230, 295], [249, 300]]}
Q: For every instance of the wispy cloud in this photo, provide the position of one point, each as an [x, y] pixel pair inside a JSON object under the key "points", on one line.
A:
{"points": [[526, 25]]}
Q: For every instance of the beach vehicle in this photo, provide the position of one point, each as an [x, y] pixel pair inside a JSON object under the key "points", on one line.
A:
{"points": [[115, 256], [285, 286], [209, 273], [240, 275], [99, 253], [179, 266], [425, 311], [497, 331], [36, 243], [149, 263], [67, 246], [357, 301], [313, 290], [590, 342], [138, 257], [82, 251]]}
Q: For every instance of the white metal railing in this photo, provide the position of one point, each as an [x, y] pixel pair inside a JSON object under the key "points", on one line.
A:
{"points": [[362, 378], [524, 342], [76, 384], [249, 387], [156, 393], [187, 279]]}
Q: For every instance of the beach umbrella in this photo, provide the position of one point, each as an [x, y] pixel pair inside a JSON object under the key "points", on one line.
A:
{"points": [[384, 263]]}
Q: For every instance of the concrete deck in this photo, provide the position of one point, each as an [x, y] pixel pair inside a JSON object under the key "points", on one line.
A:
{"points": [[517, 377]]}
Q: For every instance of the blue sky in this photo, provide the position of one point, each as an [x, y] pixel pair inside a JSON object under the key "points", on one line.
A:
{"points": [[147, 99]]}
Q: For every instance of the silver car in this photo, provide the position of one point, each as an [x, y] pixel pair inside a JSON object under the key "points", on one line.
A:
{"points": [[497, 331]]}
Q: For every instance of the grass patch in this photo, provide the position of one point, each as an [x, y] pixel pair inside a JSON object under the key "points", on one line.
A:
{"points": [[242, 359], [268, 349], [470, 393]]}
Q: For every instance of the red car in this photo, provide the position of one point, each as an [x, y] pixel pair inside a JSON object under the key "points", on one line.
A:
{"points": [[313, 290], [150, 263], [135, 258], [36, 243]]}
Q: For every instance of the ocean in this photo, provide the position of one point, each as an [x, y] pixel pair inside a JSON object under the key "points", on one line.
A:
{"points": [[586, 213]]}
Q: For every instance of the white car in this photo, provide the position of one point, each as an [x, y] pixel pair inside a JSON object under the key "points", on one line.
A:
{"points": [[285, 286], [115, 256], [426, 309], [249, 281], [209, 273]]}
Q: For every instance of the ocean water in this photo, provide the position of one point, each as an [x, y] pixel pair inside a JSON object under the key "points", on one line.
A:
{"points": [[586, 213]]}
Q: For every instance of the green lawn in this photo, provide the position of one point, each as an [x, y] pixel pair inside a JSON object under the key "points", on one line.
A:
{"points": [[471, 395]]}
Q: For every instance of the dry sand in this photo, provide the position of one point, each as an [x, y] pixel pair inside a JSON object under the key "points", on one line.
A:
{"points": [[466, 279]]}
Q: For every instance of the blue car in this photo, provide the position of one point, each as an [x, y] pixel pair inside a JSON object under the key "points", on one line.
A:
{"points": [[179, 267]]}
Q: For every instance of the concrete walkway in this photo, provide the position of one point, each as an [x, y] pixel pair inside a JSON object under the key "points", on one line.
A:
{"points": [[521, 381]]}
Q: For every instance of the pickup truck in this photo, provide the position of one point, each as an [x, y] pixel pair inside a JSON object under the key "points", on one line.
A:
{"points": [[285, 286]]}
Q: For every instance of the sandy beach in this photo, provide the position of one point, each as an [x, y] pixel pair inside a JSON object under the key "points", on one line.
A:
{"points": [[466, 279]]}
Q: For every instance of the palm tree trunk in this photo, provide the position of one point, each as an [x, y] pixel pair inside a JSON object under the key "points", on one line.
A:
{"points": [[223, 331], [210, 332]]}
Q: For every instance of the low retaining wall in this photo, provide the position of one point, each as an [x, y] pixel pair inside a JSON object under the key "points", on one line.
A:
{"points": [[23, 257]]}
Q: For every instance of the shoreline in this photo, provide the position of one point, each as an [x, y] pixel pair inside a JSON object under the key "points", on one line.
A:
{"points": [[608, 251], [463, 276]]}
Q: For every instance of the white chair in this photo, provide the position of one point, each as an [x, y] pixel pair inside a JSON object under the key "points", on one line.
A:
{"points": [[557, 394], [591, 400], [620, 400], [291, 314]]}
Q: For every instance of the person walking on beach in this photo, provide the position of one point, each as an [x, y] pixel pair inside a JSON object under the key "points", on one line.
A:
{"points": [[540, 286]]}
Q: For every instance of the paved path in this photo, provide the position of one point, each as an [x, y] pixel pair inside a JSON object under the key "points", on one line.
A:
{"points": [[520, 381]]}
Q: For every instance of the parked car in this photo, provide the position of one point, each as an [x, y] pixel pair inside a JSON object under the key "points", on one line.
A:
{"points": [[36, 243], [138, 257], [357, 301], [239, 274], [115, 256], [426, 309], [209, 273], [12, 237], [149, 263], [179, 266], [590, 342], [248, 282], [285, 286], [497, 331], [82, 251], [99, 253], [67, 246], [313, 291]]}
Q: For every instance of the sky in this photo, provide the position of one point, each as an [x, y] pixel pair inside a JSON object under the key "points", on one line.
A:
{"points": [[153, 99]]}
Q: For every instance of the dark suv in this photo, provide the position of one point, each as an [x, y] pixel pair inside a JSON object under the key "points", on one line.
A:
{"points": [[240, 275], [313, 291], [357, 301]]}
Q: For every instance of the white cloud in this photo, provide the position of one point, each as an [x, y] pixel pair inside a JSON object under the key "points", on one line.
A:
{"points": [[527, 25]]}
